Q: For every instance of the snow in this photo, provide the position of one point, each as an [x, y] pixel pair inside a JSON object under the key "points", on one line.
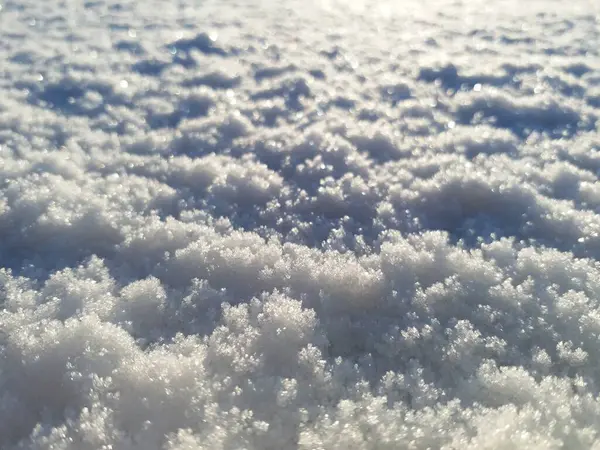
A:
{"points": [[299, 225]]}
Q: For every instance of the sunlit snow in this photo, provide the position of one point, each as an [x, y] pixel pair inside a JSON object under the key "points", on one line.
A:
{"points": [[299, 224]]}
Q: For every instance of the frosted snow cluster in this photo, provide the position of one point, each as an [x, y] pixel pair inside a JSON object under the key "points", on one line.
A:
{"points": [[299, 225]]}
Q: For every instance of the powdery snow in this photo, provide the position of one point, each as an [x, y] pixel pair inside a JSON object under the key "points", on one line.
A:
{"points": [[299, 225]]}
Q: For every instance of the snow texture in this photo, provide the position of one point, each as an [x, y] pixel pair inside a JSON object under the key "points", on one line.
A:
{"points": [[299, 224]]}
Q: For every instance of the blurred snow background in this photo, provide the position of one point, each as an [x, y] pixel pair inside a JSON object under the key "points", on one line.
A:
{"points": [[299, 225]]}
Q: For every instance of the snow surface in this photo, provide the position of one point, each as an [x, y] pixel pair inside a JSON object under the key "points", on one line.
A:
{"points": [[299, 224]]}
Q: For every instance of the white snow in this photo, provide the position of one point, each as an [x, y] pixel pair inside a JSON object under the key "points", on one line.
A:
{"points": [[341, 224]]}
